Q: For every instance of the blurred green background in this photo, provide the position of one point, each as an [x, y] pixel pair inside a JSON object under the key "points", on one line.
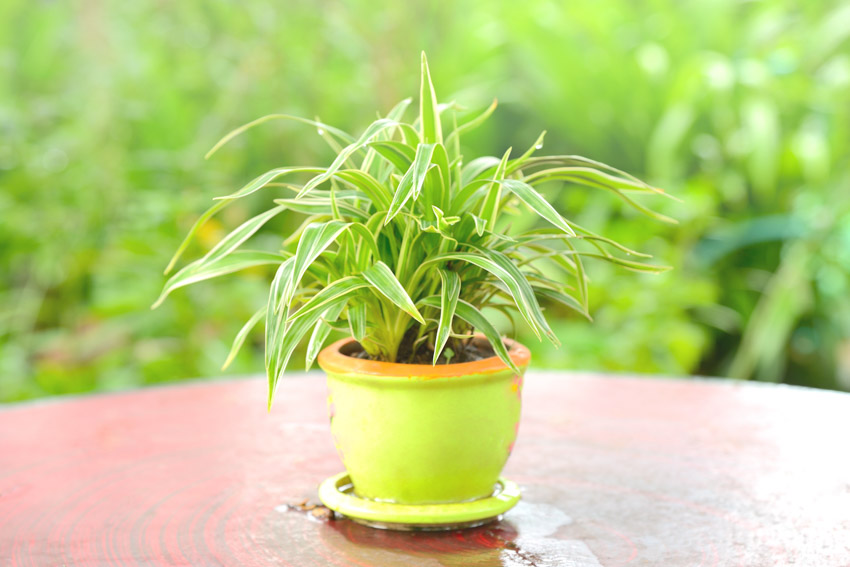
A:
{"points": [[741, 109]]}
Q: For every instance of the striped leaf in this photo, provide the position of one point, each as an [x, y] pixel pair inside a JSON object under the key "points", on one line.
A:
{"points": [[535, 201], [232, 134], [429, 114], [375, 128], [506, 271], [239, 340], [357, 320], [398, 154], [201, 270], [242, 233], [314, 240], [320, 333], [449, 295], [490, 207], [383, 279], [474, 317], [472, 124], [411, 183], [263, 180]]}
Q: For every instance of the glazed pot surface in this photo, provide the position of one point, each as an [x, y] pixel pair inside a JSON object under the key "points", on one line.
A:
{"points": [[422, 434]]}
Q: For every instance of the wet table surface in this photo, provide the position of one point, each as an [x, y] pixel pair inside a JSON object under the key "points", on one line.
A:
{"points": [[614, 471]]}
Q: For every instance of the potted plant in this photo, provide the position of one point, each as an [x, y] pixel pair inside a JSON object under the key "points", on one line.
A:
{"points": [[406, 245]]}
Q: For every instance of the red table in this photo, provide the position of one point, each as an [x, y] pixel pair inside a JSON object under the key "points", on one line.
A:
{"points": [[615, 471]]}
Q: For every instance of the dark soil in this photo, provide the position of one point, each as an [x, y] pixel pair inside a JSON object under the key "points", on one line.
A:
{"points": [[465, 350]]}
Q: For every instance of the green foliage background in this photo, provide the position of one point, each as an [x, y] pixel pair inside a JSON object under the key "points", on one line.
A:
{"points": [[741, 109]]}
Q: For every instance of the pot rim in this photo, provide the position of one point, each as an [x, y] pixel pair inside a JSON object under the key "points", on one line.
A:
{"points": [[331, 359]]}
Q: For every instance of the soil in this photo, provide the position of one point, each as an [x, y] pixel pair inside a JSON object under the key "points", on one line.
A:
{"points": [[468, 350]]}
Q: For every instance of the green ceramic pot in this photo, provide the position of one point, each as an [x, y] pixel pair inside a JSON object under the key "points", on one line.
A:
{"points": [[421, 434]]}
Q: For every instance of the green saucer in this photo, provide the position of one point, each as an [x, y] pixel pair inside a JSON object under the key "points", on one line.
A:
{"points": [[337, 494]]}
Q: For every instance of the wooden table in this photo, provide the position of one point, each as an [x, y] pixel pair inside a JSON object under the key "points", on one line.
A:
{"points": [[615, 471]]}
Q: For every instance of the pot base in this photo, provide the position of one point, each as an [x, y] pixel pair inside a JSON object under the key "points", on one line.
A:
{"points": [[337, 493]]}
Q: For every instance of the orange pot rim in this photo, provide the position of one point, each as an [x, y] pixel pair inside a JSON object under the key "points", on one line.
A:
{"points": [[332, 360]]}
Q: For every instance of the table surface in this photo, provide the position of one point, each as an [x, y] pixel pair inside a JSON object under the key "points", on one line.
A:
{"points": [[614, 470]]}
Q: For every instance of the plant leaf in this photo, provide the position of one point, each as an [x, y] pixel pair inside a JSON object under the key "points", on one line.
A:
{"points": [[528, 195], [474, 317], [342, 287], [192, 232], [411, 183], [262, 180], [320, 333], [428, 113], [242, 233], [233, 133], [449, 295], [276, 314], [368, 238], [398, 154], [490, 207], [384, 280], [357, 320], [504, 269], [596, 179], [376, 127], [472, 124], [289, 340], [239, 340], [200, 270], [314, 240]]}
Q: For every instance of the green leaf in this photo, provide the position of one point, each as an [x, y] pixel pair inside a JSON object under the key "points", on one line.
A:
{"points": [[200, 270], [506, 271], [202, 220], [411, 183], [276, 314], [596, 179], [480, 224], [398, 110], [242, 233], [517, 164], [581, 279], [290, 339], [239, 340], [611, 175], [628, 264], [420, 166], [337, 132], [321, 206], [440, 160], [385, 281], [528, 195], [376, 127], [472, 124], [341, 288], [314, 240], [474, 317], [398, 154], [474, 169], [357, 320], [320, 333], [262, 180], [490, 207], [564, 299], [366, 236], [286, 335], [449, 294], [429, 115], [379, 194]]}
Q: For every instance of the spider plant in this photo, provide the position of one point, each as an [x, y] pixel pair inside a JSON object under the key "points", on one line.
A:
{"points": [[404, 242]]}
